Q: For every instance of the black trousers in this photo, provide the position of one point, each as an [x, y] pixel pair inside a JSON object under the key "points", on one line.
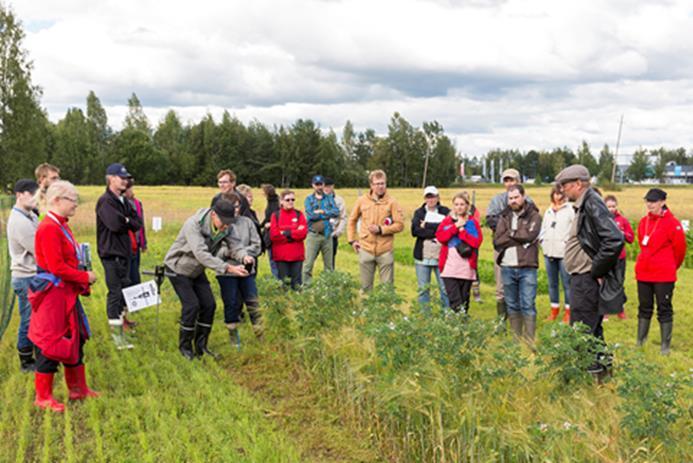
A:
{"points": [[335, 244], [46, 365], [664, 292], [117, 271], [458, 291], [196, 298], [292, 270], [584, 303]]}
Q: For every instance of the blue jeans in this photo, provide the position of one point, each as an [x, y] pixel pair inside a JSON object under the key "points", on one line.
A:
{"points": [[555, 269], [273, 264], [520, 288], [234, 292], [423, 278], [21, 289]]}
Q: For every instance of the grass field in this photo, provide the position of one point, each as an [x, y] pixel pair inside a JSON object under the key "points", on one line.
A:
{"points": [[262, 404]]}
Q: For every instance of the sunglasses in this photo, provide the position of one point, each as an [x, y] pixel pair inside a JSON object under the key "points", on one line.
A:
{"points": [[289, 200]]}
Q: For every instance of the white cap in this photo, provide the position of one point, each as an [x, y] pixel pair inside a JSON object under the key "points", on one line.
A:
{"points": [[430, 190]]}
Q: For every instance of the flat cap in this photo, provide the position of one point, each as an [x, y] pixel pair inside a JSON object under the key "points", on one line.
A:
{"points": [[511, 173], [571, 173], [655, 194]]}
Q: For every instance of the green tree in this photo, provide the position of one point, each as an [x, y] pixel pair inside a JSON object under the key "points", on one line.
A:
{"points": [[170, 139], [25, 133], [99, 139], [606, 163], [136, 119], [584, 157], [74, 152], [639, 166]]}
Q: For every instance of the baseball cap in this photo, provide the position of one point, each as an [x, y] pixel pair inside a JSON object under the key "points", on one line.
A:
{"points": [[318, 179], [119, 170], [431, 190], [511, 173], [225, 210], [25, 184]]}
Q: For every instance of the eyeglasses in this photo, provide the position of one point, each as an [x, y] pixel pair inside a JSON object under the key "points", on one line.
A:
{"points": [[72, 200], [289, 200], [223, 182]]}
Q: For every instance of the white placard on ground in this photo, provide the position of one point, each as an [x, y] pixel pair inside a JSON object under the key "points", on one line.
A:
{"points": [[156, 224], [141, 296]]}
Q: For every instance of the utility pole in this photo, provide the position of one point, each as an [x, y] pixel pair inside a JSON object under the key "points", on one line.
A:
{"points": [[618, 143]]}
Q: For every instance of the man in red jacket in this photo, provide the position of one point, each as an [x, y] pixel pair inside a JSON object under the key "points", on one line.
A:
{"points": [[662, 251]]}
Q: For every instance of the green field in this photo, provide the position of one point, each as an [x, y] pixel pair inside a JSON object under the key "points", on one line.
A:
{"points": [[287, 399]]}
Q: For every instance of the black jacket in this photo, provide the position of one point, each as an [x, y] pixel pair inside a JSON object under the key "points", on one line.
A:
{"points": [[602, 240], [272, 207], [114, 218], [426, 233]]}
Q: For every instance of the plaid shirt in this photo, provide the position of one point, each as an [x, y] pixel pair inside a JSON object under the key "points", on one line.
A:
{"points": [[326, 204]]}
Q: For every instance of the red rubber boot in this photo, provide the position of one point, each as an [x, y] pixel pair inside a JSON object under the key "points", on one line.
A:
{"points": [[77, 383], [554, 314], [44, 392]]}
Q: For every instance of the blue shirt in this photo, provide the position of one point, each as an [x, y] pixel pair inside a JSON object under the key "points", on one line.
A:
{"points": [[327, 205]]}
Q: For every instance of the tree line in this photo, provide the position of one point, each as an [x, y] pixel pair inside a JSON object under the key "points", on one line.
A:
{"points": [[83, 143]]}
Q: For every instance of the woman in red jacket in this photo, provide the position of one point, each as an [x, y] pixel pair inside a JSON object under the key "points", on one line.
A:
{"points": [[59, 326], [662, 251], [460, 236], [288, 229], [629, 237]]}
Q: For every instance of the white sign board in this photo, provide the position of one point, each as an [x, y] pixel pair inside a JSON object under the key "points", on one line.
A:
{"points": [[686, 224], [141, 296], [156, 224]]}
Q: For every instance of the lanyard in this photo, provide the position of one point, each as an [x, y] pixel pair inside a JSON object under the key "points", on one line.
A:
{"points": [[647, 226], [68, 235], [15, 208]]}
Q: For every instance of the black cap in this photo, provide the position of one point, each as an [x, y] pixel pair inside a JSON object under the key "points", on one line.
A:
{"points": [[655, 194], [329, 181], [119, 170], [225, 210], [25, 184]]}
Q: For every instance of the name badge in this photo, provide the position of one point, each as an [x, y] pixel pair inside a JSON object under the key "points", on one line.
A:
{"points": [[645, 240]]}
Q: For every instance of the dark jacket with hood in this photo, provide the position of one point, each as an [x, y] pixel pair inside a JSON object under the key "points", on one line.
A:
{"points": [[427, 232], [525, 238], [114, 219]]}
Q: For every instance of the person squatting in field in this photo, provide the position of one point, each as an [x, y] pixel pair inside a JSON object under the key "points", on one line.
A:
{"points": [[199, 241], [59, 326], [459, 235]]}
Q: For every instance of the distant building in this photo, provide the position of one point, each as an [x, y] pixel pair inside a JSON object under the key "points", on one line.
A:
{"points": [[678, 175]]}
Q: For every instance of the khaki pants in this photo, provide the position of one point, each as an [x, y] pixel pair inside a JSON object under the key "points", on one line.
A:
{"points": [[500, 296], [317, 243], [367, 264]]}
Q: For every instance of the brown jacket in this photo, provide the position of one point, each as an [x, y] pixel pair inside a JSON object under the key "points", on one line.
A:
{"points": [[384, 212], [525, 238]]}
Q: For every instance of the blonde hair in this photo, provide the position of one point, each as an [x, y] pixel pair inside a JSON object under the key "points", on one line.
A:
{"points": [[42, 170], [59, 189], [376, 174], [244, 189], [464, 196]]}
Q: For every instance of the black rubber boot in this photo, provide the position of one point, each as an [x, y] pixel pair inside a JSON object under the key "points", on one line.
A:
{"points": [[27, 364], [665, 329], [202, 332], [502, 313], [185, 338], [643, 330], [516, 324]]}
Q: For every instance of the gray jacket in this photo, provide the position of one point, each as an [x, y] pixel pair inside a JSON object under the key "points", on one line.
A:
{"points": [[242, 240], [21, 230], [497, 206], [339, 224], [195, 248]]}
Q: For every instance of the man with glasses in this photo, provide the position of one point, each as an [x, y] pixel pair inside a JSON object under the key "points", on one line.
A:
{"points": [[592, 249], [320, 209], [497, 205], [115, 218], [226, 180]]}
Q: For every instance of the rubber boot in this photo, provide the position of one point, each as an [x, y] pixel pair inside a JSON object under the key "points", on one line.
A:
{"points": [[554, 314], [643, 330], [202, 332], [476, 292], [44, 392], [516, 321], [665, 329], [27, 363], [185, 339], [76, 381], [502, 314], [121, 342], [255, 315], [566, 316], [530, 322], [234, 335]]}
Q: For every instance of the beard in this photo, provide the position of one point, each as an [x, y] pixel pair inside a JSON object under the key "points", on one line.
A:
{"points": [[516, 207]]}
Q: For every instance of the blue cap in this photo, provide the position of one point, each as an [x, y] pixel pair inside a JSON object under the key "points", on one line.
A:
{"points": [[318, 179], [119, 170]]}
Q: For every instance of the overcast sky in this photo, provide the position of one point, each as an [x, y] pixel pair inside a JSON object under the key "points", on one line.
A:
{"points": [[510, 74]]}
